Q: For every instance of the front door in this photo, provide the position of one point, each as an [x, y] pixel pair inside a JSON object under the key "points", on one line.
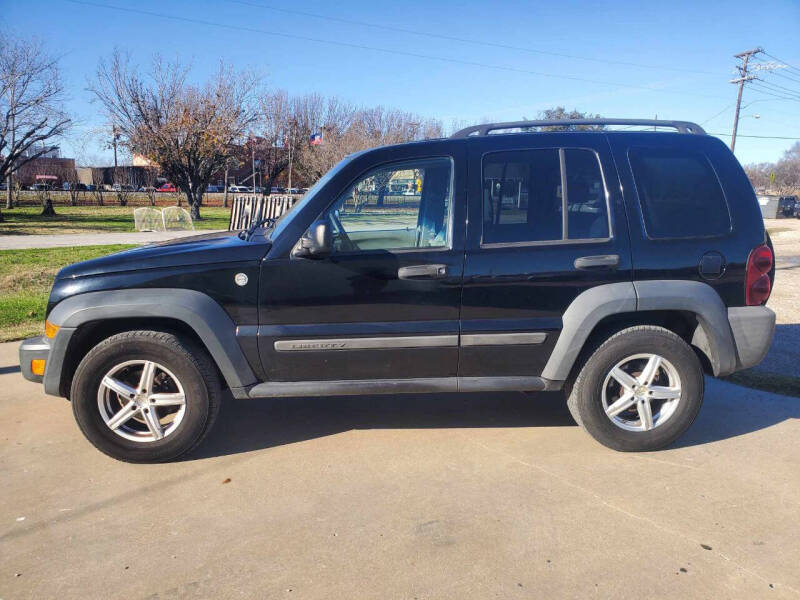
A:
{"points": [[546, 223], [385, 303]]}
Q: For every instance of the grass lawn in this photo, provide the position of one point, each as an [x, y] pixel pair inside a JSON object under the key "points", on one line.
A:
{"points": [[92, 219], [25, 280]]}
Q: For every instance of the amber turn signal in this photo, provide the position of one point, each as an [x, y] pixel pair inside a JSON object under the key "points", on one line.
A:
{"points": [[50, 330], [37, 366]]}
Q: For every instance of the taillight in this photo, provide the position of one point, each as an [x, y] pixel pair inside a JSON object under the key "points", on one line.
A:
{"points": [[758, 285]]}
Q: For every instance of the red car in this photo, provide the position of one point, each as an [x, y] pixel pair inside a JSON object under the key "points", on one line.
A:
{"points": [[167, 187]]}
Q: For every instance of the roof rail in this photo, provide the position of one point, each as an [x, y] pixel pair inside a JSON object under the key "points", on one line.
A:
{"points": [[479, 130]]}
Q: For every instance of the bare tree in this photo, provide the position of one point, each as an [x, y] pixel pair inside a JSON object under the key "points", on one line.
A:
{"points": [[150, 183], [31, 93], [187, 130], [345, 130], [98, 186], [123, 186], [75, 188], [559, 113], [782, 176]]}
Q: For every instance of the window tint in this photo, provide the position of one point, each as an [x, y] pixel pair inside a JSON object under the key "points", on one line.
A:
{"points": [[522, 196], [398, 206], [679, 193], [586, 196], [523, 201]]}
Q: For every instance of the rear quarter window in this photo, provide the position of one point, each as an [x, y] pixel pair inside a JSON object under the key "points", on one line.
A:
{"points": [[679, 193]]}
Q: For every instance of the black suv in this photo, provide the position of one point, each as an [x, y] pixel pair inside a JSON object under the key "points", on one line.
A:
{"points": [[619, 266]]}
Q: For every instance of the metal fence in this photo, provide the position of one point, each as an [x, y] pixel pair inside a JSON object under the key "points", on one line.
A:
{"points": [[247, 209]]}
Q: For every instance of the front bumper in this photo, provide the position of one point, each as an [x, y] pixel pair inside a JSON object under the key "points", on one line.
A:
{"points": [[36, 348], [753, 328]]}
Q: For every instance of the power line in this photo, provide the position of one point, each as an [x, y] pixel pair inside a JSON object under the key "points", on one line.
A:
{"points": [[766, 92], [763, 137], [452, 38], [788, 66], [786, 77], [726, 109], [304, 38], [780, 88]]}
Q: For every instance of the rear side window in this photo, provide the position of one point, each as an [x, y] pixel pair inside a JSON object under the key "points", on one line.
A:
{"points": [[546, 195], [679, 193]]}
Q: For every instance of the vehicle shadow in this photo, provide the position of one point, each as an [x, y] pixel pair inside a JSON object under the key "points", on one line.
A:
{"points": [[784, 353], [728, 411], [248, 425]]}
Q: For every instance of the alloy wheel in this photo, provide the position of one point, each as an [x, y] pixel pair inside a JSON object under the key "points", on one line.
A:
{"points": [[641, 392], [141, 401]]}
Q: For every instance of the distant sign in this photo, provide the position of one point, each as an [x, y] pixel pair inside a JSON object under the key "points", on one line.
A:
{"points": [[47, 177]]}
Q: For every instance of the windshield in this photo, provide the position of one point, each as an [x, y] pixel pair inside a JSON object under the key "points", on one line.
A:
{"points": [[285, 218]]}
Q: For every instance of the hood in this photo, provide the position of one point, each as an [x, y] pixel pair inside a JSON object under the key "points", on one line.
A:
{"points": [[203, 249]]}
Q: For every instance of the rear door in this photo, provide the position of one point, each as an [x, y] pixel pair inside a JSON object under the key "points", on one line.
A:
{"points": [[546, 222]]}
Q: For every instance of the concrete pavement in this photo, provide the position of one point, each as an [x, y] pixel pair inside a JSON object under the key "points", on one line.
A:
{"points": [[449, 496], [20, 242]]}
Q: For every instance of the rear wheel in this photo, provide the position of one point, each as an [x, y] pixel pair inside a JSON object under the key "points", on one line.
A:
{"points": [[145, 396], [639, 391]]}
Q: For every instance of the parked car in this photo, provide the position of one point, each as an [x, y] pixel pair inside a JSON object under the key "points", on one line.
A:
{"points": [[41, 187], [277, 190], [786, 206], [212, 189], [167, 187], [500, 278], [123, 187], [240, 189]]}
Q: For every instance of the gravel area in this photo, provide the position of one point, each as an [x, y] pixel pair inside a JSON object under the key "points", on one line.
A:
{"points": [[784, 355]]}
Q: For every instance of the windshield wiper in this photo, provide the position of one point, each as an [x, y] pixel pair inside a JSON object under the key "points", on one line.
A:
{"points": [[268, 221]]}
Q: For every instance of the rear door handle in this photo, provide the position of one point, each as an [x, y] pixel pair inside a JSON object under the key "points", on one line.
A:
{"points": [[602, 261], [422, 272]]}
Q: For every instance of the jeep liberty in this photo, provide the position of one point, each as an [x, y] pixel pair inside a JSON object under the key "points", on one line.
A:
{"points": [[617, 266]]}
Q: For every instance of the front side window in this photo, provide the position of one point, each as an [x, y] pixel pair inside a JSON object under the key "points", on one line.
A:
{"points": [[679, 193], [527, 193], [399, 206]]}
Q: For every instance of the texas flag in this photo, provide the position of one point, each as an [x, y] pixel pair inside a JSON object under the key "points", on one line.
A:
{"points": [[315, 139]]}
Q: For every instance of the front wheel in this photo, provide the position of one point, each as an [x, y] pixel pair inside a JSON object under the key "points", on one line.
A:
{"points": [[145, 396], [639, 391]]}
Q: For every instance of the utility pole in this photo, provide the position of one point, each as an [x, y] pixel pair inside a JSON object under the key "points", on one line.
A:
{"points": [[114, 138], [741, 80], [10, 178]]}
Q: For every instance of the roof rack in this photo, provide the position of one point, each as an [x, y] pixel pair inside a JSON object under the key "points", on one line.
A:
{"points": [[479, 130]]}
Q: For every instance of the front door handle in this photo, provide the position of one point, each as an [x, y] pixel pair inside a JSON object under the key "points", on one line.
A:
{"points": [[602, 261], [422, 272]]}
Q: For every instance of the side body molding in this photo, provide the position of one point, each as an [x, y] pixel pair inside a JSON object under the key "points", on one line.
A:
{"points": [[197, 310], [713, 336], [580, 318]]}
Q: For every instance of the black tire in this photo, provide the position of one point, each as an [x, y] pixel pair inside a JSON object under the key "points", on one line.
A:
{"points": [[189, 363], [584, 395]]}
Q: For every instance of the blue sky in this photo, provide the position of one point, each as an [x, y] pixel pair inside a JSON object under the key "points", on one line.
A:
{"points": [[682, 55]]}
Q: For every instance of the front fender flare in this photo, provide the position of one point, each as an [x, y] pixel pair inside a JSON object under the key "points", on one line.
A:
{"points": [[197, 310]]}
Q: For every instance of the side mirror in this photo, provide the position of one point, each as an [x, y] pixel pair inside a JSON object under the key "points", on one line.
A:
{"points": [[317, 242]]}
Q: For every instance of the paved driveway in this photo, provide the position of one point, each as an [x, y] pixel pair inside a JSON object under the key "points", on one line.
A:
{"points": [[461, 496], [18, 242]]}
